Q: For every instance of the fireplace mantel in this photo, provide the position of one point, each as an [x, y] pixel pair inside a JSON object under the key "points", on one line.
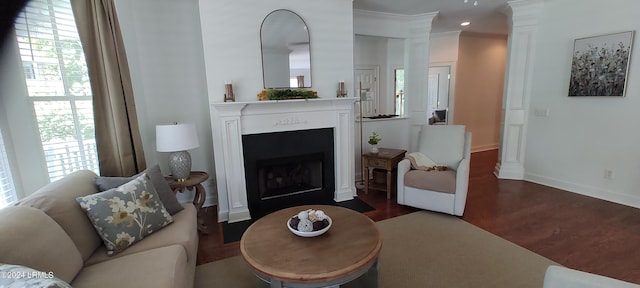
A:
{"points": [[231, 120]]}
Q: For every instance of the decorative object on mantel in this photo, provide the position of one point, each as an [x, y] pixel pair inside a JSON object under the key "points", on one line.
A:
{"points": [[382, 116], [228, 95], [177, 138], [374, 139], [600, 65], [300, 80], [342, 92], [286, 94]]}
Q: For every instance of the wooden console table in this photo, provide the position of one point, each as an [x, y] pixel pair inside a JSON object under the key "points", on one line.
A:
{"points": [[386, 159]]}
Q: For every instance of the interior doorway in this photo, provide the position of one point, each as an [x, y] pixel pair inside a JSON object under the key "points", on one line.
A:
{"points": [[438, 101], [367, 76]]}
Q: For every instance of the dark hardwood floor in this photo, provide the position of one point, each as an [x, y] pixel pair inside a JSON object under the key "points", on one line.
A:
{"points": [[576, 231]]}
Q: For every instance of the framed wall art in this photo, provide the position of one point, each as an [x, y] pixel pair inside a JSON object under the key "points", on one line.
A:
{"points": [[600, 65]]}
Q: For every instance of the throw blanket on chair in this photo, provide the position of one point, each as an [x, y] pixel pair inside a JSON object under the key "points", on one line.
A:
{"points": [[423, 162]]}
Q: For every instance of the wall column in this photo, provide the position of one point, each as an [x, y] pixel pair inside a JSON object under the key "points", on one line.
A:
{"points": [[523, 28], [416, 63]]}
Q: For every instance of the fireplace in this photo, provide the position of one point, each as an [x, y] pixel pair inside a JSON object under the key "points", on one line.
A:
{"points": [[282, 177], [284, 169], [322, 166]]}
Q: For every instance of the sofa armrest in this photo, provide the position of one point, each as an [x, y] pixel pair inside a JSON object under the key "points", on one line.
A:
{"points": [[403, 167], [561, 277]]}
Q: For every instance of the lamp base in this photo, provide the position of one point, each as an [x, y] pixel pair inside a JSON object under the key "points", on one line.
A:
{"points": [[180, 165]]}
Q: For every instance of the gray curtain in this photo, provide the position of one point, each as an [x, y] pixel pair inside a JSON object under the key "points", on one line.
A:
{"points": [[117, 133]]}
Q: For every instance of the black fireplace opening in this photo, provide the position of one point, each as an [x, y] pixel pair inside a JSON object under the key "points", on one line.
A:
{"points": [[282, 177], [285, 169]]}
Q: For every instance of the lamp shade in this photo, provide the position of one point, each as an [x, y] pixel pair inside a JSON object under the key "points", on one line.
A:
{"points": [[176, 137]]}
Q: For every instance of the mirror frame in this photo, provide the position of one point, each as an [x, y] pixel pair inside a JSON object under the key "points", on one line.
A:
{"points": [[262, 48]]}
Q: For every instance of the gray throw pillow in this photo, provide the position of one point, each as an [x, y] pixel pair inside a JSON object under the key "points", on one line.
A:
{"points": [[165, 193], [126, 214], [21, 276]]}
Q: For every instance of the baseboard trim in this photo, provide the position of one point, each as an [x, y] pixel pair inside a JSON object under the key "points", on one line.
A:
{"points": [[485, 148], [585, 190]]}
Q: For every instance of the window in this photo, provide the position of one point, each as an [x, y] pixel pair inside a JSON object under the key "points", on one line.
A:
{"points": [[58, 86], [399, 91], [7, 189]]}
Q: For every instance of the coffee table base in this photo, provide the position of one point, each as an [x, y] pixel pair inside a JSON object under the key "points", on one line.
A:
{"points": [[364, 278]]}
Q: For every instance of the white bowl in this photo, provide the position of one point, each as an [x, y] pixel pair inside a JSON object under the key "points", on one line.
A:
{"points": [[311, 233]]}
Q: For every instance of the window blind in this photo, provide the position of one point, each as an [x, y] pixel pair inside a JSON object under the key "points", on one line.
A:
{"points": [[7, 189], [58, 85]]}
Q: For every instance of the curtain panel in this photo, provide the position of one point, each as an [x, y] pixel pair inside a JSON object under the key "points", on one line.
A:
{"points": [[118, 138]]}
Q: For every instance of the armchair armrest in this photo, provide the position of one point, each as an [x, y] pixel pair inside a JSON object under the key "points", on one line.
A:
{"points": [[462, 185], [403, 167]]}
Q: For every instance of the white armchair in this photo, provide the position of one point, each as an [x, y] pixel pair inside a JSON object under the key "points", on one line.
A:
{"points": [[440, 191]]}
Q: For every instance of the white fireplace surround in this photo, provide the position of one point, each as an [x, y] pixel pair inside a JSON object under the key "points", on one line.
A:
{"points": [[231, 120]]}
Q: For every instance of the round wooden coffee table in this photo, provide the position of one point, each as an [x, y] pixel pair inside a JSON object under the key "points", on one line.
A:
{"points": [[347, 251]]}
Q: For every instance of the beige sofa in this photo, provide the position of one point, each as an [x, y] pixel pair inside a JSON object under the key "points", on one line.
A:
{"points": [[49, 232]]}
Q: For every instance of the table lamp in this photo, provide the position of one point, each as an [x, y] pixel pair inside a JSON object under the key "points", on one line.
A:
{"points": [[177, 139]]}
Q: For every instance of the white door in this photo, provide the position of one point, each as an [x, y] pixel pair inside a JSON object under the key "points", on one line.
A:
{"points": [[439, 77], [368, 79]]}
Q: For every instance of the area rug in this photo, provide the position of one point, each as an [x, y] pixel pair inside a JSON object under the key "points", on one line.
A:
{"points": [[232, 232], [423, 249]]}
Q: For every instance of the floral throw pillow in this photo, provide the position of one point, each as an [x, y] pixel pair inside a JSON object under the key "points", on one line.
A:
{"points": [[21, 276], [126, 214]]}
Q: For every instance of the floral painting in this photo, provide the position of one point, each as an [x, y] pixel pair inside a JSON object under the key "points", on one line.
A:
{"points": [[600, 65]]}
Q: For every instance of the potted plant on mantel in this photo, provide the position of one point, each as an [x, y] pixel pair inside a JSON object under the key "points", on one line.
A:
{"points": [[286, 94], [374, 139]]}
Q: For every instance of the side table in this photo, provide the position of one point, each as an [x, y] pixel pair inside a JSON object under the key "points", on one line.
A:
{"points": [[386, 159], [195, 180]]}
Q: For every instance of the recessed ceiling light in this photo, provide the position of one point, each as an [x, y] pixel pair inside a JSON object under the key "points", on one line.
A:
{"points": [[465, 23]]}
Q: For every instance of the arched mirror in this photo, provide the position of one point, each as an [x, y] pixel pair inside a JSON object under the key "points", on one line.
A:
{"points": [[286, 53]]}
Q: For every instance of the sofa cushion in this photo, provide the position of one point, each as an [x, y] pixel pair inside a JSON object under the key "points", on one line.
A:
{"points": [[126, 214], [167, 196], [183, 232], [57, 199], [439, 181], [21, 276], [158, 268], [31, 238]]}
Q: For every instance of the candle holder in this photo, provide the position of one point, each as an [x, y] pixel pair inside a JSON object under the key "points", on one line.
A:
{"points": [[342, 92], [228, 96]]}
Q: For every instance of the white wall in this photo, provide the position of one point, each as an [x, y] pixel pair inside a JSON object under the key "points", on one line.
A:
{"points": [[231, 38], [444, 47], [164, 50], [582, 136]]}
